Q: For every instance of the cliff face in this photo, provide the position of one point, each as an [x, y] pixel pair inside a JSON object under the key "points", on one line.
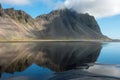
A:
{"points": [[68, 24], [59, 24]]}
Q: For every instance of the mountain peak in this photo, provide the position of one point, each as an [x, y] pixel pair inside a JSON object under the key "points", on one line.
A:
{"points": [[62, 11], [67, 23], [18, 15], [59, 24]]}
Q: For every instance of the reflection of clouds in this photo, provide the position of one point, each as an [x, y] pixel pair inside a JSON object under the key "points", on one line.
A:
{"points": [[19, 78], [105, 70], [95, 7]]}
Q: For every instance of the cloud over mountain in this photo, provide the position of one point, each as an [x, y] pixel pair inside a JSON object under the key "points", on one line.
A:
{"points": [[98, 8]]}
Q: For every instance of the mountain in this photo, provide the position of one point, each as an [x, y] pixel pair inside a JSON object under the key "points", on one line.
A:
{"points": [[59, 24], [68, 24], [15, 24]]}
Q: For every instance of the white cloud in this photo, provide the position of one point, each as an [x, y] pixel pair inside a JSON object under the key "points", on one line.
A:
{"points": [[97, 8], [15, 2], [105, 70]]}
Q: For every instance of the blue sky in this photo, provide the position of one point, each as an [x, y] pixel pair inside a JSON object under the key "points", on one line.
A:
{"points": [[110, 26], [107, 15]]}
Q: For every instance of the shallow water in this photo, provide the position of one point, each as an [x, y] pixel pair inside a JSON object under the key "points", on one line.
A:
{"points": [[60, 61]]}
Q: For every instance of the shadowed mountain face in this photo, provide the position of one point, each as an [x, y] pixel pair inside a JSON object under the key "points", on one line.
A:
{"points": [[59, 24], [58, 57], [68, 24]]}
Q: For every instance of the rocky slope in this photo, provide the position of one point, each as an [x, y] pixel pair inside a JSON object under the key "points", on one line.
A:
{"points": [[59, 24], [68, 24], [15, 24]]}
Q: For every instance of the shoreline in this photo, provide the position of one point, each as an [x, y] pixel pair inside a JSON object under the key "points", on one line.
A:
{"points": [[58, 41]]}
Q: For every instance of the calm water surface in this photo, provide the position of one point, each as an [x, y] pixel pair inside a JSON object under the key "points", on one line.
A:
{"points": [[60, 61]]}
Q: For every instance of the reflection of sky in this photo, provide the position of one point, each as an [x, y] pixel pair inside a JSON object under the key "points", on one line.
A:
{"points": [[110, 54], [32, 72]]}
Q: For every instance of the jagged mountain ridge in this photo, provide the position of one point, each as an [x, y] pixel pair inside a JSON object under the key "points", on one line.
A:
{"points": [[59, 24], [14, 24]]}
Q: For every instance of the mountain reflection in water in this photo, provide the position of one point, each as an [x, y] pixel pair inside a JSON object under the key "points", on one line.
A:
{"points": [[53, 57]]}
